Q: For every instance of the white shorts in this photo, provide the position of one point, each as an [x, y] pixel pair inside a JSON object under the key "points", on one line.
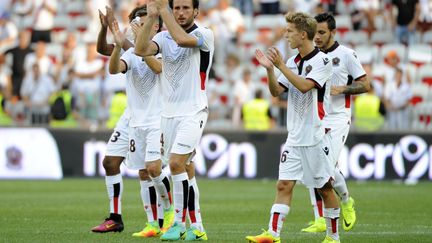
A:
{"points": [[339, 134], [313, 165], [144, 146], [119, 140], [181, 135]]}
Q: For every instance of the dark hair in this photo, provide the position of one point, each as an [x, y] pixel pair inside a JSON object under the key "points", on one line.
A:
{"points": [[258, 93], [326, 17], [195, 4], [142, 11]]}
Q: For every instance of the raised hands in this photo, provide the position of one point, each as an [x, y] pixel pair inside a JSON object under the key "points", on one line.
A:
{"points": [[274, 55], [262, 59], [160, 4], [103, 19], [119, 37], [110, 17], [152, 10]]}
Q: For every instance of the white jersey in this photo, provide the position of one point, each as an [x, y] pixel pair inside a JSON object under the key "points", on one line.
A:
{"points": [[306, 111], [185, 72], [143, 91], [346, 69]]}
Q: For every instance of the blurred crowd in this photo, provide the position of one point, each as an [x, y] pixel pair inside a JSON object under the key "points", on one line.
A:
{"points": [[52, 75]]}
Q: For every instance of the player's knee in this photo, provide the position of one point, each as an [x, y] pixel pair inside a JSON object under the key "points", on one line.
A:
{"points": [[284, 186], [144, 175], [111, 165], [177, 166], [326, 190], [153, 169]]}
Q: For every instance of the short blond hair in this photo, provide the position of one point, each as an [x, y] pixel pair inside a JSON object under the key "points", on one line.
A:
{"points": [[302, 22]]}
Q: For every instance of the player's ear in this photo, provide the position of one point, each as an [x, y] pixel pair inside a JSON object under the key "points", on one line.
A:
{"points": [[196, 12], [333, 33]]}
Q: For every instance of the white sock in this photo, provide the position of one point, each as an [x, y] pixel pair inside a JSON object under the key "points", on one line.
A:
{"points": [[114, 185], [162, 185], [277, 217], [148, 196], [331, 216], [317, 205], [194, 206], [181, 191], [160, 210], [340, 186]]}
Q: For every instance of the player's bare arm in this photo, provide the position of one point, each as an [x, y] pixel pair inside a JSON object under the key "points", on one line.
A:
{"points": [[115, 64], [302, 84], [275, 88], [144, 46], [359, 86], [177, 32], [102, 46]]}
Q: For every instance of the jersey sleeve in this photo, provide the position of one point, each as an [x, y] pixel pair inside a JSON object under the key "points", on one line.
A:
{"points": [[158, 40], [283, 81], [205, 38], [321, 71], [355, 69], [126, 58]]}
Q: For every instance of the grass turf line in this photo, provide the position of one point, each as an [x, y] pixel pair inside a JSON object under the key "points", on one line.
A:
{"points": [[65, 211]]}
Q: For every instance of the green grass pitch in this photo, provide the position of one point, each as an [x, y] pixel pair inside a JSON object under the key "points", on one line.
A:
{"points": [[64, 211]]}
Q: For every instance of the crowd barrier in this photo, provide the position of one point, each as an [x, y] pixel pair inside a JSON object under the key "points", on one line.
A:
{"points": [[39, 153]]}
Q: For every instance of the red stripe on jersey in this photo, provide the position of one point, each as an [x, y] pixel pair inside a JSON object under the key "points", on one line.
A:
{"points": [[347, 101], [321, 111], [115, 201], [297, 59], [203, 77], [275, 221]]}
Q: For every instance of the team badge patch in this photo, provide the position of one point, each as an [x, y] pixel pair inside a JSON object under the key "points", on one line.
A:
{"points": [[336, 61], [308, 69]]}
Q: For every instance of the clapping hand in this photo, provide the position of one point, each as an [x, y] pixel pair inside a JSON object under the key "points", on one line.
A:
{"points": [[262, 59]]}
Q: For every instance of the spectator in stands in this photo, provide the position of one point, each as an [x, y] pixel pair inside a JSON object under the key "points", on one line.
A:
{"points": [[5, 79], [392, 63], [8, 32], [246, 7], [405, 21], [397, 95], [36, 91], [64, 67], [46, 65], [20, 10], [256, 113], [18, 55], [243, 93], [425, 18], [43, 19], [269, 6], [231, 70], [228, 26], [365, 9], [367, 114], [87, 85], [305, 6]]}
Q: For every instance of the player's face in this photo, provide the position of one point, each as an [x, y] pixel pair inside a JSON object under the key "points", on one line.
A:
{"points": [[293, 36], [323, 36], [184, 13]]}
